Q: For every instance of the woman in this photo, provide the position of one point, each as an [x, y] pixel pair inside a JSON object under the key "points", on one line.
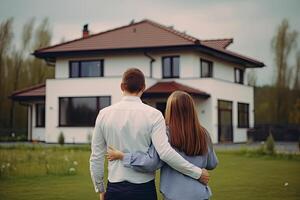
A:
{"points": [[189, 139]]}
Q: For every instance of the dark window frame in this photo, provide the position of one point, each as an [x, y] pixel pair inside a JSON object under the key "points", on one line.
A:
{"points": [[171, 66], [240, 124], [97, 104], [38, 115], [210, 68], [219, 117], [80, 66], [241, 75]]}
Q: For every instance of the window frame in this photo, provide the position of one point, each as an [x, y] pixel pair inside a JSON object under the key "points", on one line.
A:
{"points": [[210, 68], [80, 66], [38, 115], [171, 66], [97, 104], [243, 112], [241, 75]]}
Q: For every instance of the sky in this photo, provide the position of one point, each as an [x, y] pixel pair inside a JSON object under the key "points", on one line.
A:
{"points": [[251, 23]]}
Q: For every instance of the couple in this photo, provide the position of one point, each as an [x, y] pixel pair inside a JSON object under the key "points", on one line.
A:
{"points": [[137, 142]]}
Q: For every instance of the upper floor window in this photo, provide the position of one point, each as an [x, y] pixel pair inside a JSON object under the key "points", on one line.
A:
{"points": [[238, 75], [81, 111], [243, 115], [206, 68], [40, 115], [170, 67], [88, 68]]}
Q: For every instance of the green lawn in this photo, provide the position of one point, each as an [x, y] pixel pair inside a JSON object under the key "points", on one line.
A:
{"points": [[45, 174]]}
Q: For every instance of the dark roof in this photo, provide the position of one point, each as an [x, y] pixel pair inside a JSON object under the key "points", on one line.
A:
{"points": [[36, 92], [166, 88], [144, 35]]}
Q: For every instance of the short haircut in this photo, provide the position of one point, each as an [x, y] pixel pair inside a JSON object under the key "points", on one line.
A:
{"points": [[133, 80]]}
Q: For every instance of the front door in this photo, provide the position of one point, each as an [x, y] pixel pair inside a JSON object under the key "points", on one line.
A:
{"points": [[161, 106], [225, 129]]}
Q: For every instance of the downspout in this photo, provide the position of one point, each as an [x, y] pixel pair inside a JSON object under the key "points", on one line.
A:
{"points": [[151, 62]]}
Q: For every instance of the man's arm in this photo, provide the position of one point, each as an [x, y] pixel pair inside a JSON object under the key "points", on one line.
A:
{"points": [[97, 157], [168, 154]]}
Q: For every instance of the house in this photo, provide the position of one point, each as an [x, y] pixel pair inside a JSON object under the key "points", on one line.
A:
{"points": [[88, 73]]}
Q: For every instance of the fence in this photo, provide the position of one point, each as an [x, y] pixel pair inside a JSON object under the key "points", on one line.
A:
{"points": [[280, 132]]}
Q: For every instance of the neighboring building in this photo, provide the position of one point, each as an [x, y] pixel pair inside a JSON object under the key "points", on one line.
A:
{"points": [[88, 75]]}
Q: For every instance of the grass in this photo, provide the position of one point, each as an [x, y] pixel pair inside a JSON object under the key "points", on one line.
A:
{"points": [[239, 175]]}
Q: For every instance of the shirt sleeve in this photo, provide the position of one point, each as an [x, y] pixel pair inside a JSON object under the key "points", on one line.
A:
{"points": [[143, 162], [97, 157], [168, 154]]}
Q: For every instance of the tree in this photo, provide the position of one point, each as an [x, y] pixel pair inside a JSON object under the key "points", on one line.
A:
{"points": [[39, 69], [252, 78], [19, 63], [282, 44], [297, 79], [6, 36]]}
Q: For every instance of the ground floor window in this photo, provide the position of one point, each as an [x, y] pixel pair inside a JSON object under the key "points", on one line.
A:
{"points": [[81, 111], [40, 115], [243, 115]]}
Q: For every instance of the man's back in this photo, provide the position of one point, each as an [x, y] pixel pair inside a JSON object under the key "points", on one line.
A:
{"points": [[127, 126]]}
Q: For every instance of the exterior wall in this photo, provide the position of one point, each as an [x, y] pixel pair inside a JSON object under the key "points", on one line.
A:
{"points": [[223, 90], [220, 87], [38, 133], [114, 65], [77, 87]]}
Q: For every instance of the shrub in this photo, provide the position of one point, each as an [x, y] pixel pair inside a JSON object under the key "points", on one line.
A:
{"points": [[61, 138], [270, 145]]}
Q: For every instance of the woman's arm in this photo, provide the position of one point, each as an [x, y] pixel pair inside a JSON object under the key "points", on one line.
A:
{"points": [[139, 161], [212, 159]]}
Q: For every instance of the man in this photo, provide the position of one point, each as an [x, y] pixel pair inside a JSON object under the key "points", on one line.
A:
{"points": [[131, 126]]}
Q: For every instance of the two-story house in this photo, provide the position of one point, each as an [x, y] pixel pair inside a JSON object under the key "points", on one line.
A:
{"points": [[88, 73]]}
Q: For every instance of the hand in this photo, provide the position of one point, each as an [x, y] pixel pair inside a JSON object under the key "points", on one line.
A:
{"points": [[204, 178], [114, 154], [101, 195]]}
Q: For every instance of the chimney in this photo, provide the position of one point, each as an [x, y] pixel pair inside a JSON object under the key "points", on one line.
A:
{"points": [[85, 31]]}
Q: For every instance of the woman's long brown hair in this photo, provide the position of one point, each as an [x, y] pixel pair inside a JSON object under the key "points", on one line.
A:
{"points": [[186, 133]]}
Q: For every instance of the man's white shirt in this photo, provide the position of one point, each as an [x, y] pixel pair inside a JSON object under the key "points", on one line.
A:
{"points": [[131, 126]]}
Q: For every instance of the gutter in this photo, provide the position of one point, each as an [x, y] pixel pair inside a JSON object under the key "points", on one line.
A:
{"points": [[152, 60]]}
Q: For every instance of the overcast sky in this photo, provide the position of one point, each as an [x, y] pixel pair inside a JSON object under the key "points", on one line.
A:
{"points": [[252, 23]]}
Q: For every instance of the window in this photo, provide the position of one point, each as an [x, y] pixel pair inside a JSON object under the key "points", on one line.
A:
{"points": [[40, 115], [238, 76], [206, 68], [89, 68], [80, 111], [243, 115], [170, 67]]}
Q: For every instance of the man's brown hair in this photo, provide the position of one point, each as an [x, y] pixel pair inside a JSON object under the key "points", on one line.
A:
{"points": [[186, 133], [133, 80]]}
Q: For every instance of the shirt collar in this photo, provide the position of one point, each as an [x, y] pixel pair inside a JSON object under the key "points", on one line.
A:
{"points": [[131, 98]]}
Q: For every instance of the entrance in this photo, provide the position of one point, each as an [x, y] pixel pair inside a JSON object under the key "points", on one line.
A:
{"points": [[225, 129], [161, 106]]}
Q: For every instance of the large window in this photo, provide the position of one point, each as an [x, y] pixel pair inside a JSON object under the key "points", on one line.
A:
{"points": [[89, 68], [238, 75], [80, 111], [40, 115], [206, 68], [170, 67], [243, 115]]}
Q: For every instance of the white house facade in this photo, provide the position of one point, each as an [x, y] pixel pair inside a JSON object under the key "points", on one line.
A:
{"points": [[88, 74]]}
